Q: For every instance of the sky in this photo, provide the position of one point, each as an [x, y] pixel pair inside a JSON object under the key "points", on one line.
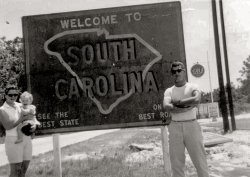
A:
{"points": [[197, 28]]}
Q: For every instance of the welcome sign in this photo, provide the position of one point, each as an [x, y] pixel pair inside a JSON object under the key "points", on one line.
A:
{"points": [[104, 68]]}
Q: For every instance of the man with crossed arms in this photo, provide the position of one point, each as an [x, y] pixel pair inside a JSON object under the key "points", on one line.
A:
{"points": [[184, 131]]}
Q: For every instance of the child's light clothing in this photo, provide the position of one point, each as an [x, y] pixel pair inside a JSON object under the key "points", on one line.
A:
{"points": [[30, 109], [26, 110]]}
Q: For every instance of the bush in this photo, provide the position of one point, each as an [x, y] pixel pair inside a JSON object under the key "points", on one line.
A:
{"points": [[240, 108]]}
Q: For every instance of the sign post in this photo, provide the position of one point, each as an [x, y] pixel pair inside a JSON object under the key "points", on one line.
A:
{"points": [[57, 155], [165, 150]]}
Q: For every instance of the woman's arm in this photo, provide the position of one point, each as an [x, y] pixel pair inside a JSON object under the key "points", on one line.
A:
{"points": [[8, 123]]}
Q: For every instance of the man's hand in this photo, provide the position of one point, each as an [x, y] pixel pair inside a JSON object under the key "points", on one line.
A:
{"points": [[175, 102]]}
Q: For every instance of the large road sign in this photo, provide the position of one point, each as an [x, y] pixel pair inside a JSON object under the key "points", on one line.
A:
{"points": [[104, 68]]}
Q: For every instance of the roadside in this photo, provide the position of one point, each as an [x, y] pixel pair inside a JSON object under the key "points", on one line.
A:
{"points": [[231, 159], [45, 144], [106, 150], [242, 122], [112, 155]]}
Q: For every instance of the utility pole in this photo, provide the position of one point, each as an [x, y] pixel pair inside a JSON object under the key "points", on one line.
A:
{"points": [[210, 83], [222, 101], [229, 91]]}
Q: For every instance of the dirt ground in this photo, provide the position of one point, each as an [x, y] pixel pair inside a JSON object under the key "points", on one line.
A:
{"points": [[231, 159]]}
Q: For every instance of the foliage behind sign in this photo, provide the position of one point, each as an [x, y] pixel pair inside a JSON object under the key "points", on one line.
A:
{"points": [[104, 68]]}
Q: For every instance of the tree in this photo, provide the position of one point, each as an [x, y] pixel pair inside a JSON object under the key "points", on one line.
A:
{"points": [[245, 79], [11, 61]]}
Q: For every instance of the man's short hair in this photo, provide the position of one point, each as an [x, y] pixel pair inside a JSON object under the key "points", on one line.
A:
{"points": [[176, 64]]}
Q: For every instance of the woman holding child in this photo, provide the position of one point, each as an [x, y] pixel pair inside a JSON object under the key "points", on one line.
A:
{"points": [[19, 154]]}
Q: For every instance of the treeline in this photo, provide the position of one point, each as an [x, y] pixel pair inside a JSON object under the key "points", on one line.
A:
{"points": [[240, 94], [12, 71], [11, 63]]}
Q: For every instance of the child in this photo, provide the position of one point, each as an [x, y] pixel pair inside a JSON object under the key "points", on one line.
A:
{"points": [[27, 108]]}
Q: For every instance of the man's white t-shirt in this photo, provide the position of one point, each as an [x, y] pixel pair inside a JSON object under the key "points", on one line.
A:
{"points": [[178, 93]]}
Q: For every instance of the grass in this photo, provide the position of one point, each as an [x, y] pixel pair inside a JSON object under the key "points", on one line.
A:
{"points": [[109, 155], [102, 156]]}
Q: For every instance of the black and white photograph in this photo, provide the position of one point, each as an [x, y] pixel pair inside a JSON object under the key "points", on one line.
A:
{"points": [[124, 88]]}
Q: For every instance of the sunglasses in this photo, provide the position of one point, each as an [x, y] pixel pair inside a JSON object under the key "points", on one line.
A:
{"points": [[176, 71], [12, 95]]}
